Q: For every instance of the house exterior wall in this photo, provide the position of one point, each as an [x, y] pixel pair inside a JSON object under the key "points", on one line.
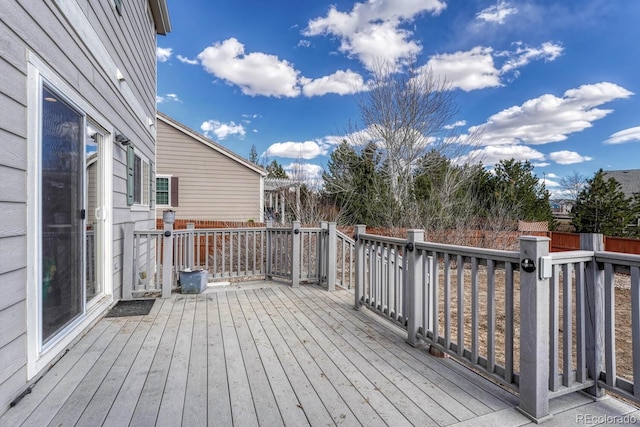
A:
{"points": [[212, 185], [81, 44]]}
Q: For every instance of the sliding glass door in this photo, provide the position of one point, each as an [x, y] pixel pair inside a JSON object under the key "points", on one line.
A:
{"points": [[63, 212]]}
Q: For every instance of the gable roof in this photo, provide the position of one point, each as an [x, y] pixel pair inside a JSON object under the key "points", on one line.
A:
{"points": [[629, 180], [209, 143]]}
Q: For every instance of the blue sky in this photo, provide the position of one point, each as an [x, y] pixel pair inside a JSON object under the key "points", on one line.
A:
{"points": [[556, 83]]}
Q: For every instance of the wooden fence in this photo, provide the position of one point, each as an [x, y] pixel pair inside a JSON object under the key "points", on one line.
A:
{"points": [[571, 242]]}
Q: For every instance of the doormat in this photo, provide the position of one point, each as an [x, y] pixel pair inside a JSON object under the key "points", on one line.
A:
{"points": [[138, 307]]}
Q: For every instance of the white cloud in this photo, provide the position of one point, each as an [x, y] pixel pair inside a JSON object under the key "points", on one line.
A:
{"points": [[187, 60], [456, 124], [163, 53], [493, 154], [524, 54], [255, 73], [549, 183], [470, 70], [497, 13], [247, 118], [167, 98], [476, 68], [626, 135], [340, 82], [222, 130], [566, 157], [304, 43], [371, 31], [308, 173], [552, 175], [297, 150], [549, 118]]}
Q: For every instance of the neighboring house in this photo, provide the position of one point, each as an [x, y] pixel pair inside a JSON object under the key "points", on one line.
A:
{"points": [[78, 87], [629, 180], [561, 210], [202, 180], [629, 184]]}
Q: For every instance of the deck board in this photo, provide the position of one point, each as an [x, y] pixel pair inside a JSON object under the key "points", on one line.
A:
{"points": [[218, 398], [48, 382], [283, 392], [243, 411], [195, 401], [173, 398], [263, 399], [56, 399], [306, 351], [377, 391], [124, 404], [150, 398], [98, 409], [374, 357], [268, 354], [82, 395], [456, 381], [290, 355]]}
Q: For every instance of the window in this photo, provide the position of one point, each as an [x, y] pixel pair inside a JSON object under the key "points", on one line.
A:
{"points": [[162, 191], [167, 191], [138, 179]]}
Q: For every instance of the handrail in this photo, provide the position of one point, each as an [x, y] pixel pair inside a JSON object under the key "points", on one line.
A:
{"points": [[468, 251], [629, 260]]}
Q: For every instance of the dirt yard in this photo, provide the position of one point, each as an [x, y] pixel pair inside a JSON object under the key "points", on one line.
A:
{"points": [[624, 362]]}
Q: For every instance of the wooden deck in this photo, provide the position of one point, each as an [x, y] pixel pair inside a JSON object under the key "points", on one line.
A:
{"points": [[266, 354]]}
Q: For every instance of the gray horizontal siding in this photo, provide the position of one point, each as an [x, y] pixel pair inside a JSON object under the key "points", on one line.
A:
{"points": [[13, 358], [13, 149], [40, 27]]}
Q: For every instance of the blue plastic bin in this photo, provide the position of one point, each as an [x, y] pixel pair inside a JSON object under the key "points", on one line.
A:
{"points": [[193, 282]]}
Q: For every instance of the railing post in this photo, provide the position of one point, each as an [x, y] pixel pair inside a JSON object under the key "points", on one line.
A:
{"points": [[332, 242], [295, 255], [191, 245], [322, 248], [534, 330], [413, 282], [128, 260], [360, 266], [167, 260], [269, 247], [594, 306]]}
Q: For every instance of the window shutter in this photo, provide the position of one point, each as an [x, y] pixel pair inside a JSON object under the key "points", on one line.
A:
{"points": [[130, 179], [152, 185], [173, 201]]}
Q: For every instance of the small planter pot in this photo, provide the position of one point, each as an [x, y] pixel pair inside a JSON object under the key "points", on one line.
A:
{"points": [[193, 282]]}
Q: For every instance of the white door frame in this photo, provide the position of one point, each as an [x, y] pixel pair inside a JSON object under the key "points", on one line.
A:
{"points": [[39, 357]]}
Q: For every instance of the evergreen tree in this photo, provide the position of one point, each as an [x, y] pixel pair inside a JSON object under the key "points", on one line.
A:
{"points": [[515, 186], [355, 184], [253, 155], [275, 170], [601, 207]]}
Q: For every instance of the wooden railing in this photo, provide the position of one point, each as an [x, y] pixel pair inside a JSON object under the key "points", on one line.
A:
{"points": [[542, 324], [294, 254], [618, 316]]}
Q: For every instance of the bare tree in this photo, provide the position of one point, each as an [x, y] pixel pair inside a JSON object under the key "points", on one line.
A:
{"points": [[407, 114], [572, 185]]}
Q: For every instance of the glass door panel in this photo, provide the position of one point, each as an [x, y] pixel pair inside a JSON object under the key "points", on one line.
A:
{"points": [[62, 214]]}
